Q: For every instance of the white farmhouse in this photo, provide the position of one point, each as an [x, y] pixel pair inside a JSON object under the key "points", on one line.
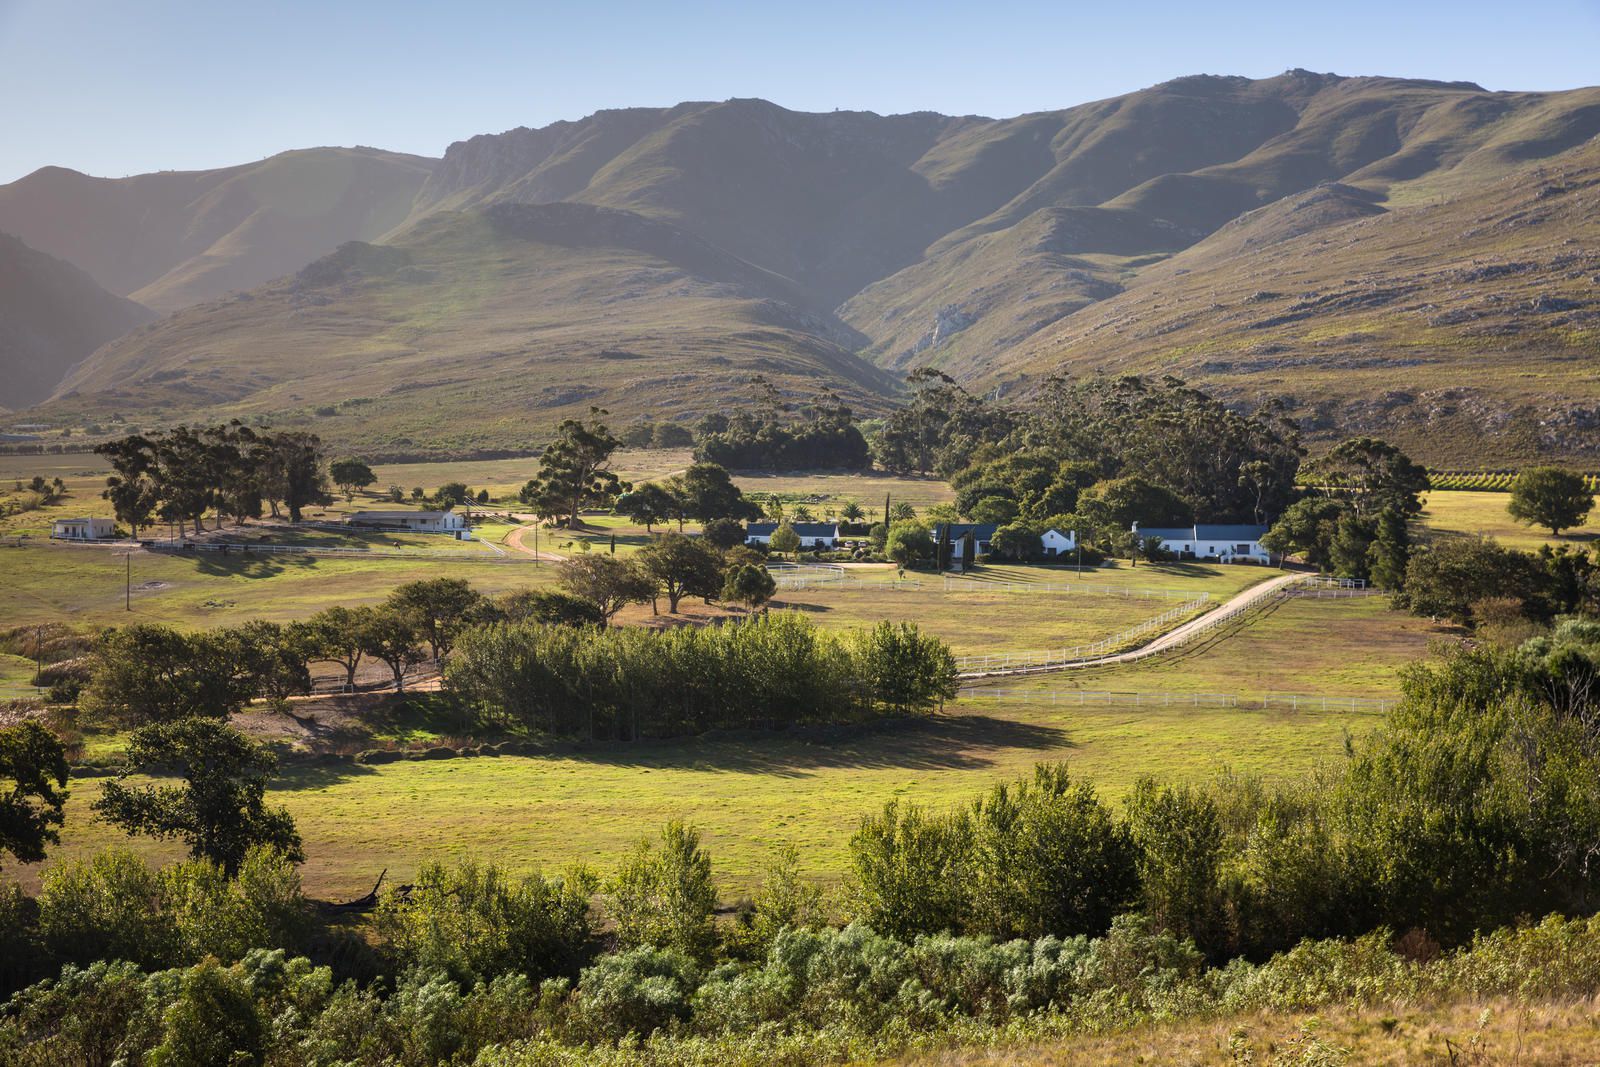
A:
{"points": [[1226, 544], [83, 529], [811, 534], [1052, 542], [1057, 543], [444, 522]]}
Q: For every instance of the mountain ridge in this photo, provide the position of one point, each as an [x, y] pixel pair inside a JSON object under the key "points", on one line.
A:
{"points": [[872, 243]]}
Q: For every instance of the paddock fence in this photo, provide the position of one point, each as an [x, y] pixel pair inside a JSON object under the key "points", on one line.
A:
{"points": [[1061, 696], [1065, 657]]}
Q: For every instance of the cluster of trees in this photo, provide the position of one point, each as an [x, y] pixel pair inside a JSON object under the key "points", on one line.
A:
{"points": [[180, 475], [938, 430], [703, 493], [148, 673], [1095, 456], [1476, 803], [1354, 520], [772, 437], [770, 671], [1475, 581], [674, 565]]}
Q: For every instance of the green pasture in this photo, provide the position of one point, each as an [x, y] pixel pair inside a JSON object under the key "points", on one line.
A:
{"points": [[751, 792], [1467, 512], [974, 622], [85, 585]]}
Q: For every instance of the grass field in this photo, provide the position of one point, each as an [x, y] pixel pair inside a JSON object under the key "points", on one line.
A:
{"points": [[55, 583], [1352, 647], [1465, 512], [975, 622], [750, 793]]}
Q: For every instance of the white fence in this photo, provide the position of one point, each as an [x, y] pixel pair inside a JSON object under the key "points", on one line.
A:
{"points": [[240, 548], [1064, 657], [793, 583], [979, 585], [1061, 696]]}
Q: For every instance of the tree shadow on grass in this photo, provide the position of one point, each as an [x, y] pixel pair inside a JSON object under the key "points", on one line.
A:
{"points": [[293, 776], [941, 742], [782, 604], [250, 564]]}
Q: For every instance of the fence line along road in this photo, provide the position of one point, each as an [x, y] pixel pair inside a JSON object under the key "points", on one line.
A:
{"points": [[1173, 699], [1273, 590], [1008, 662]]}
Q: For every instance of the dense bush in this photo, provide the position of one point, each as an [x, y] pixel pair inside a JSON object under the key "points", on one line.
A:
{"points": [[475, 923], [775, 670], [114, 906], [1042, 855]]}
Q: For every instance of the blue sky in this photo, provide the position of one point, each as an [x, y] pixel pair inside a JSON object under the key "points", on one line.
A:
{"points": [[116, 87]]}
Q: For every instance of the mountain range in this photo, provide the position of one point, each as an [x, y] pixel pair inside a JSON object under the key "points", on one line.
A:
{"points": [[1407, 257]]}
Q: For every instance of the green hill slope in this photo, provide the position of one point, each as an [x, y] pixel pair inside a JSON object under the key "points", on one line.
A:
{"points": [[478, 330], [1466, 327]]}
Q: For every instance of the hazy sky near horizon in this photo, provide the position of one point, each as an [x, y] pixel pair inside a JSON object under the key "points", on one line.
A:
{"points": [[116, 87]]}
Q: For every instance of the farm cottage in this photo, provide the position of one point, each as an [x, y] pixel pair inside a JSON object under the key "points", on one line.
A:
{"points": [[445, 522], [1052, 542], [1227, 544], [811, 534], [83, 529]]}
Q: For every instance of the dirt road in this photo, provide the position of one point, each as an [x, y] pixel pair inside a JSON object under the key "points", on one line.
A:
{"points": [[1178, 635]]}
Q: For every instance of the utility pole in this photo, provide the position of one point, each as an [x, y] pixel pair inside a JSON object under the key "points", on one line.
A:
{"points": [[127, 582]]}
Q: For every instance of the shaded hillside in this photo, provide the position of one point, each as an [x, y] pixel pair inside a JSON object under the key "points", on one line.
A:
{"points": [[480, 329], [174, 238], [1466, 327], [51, 316]]}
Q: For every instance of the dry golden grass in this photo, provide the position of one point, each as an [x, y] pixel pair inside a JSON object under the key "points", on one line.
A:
{"points": [[1466, 1032]]}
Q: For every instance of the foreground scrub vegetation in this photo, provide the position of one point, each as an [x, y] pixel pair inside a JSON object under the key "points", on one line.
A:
{"points": [[1400, 877]]}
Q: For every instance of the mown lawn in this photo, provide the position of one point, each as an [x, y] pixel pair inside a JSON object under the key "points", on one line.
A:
{"points": [[751, 792], [1466, 512]]}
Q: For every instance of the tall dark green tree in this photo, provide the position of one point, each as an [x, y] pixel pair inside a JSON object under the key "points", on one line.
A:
{"points": [[707, 493], [219, 811], [650, 503], [682, 566], [33, 790], [1390, 550], [1371, 474], [437, 607], [1307, 529], [574, 471], [350, 475]]}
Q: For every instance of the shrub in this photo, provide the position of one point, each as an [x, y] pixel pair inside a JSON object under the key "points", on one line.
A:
{"points": [[637, 991], [475, 922], [666, 898]]}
